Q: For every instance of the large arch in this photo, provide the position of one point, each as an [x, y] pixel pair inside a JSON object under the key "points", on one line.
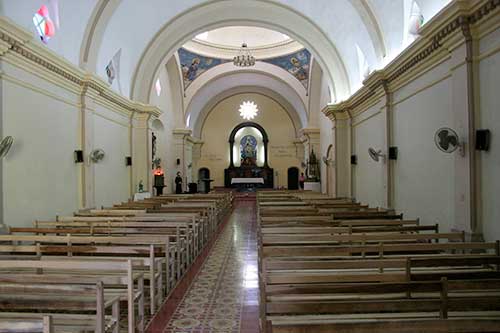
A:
{"points": [[234, 83], [250, 13], [212, 103]]}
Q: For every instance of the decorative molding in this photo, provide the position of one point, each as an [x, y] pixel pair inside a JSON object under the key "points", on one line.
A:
{"points": [[456, 18], [17, 41]]}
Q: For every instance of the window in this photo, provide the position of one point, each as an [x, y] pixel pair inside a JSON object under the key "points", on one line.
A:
{"points": [[248, 110], [43, 24], [158, 87]]}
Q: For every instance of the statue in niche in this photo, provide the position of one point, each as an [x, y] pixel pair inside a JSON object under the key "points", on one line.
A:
{"points": [[248, 150], [313, 171]]}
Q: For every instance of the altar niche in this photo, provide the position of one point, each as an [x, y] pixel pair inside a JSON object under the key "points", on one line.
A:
{"points": [[248, 166]]}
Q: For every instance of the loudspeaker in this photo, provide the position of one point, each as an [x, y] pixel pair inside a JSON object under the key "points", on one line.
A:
{"points": [[128, 160], [483, 139], [354, 159], [78, 156], [393, 153], [178, 161]]}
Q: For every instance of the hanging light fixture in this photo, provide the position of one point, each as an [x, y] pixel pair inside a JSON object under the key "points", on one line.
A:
{"points": [[244, 58]]}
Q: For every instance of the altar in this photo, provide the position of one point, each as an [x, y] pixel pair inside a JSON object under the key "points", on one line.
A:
{"points": [[247, 181], [248, 166]]}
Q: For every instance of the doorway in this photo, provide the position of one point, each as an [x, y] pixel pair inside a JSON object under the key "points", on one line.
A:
{"points": [[203, 174], [293, 178]]}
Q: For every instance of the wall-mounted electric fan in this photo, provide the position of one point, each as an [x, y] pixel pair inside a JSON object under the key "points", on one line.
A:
{"points": [[97, 155], [5, 145], [376, 154], [447, 140]]}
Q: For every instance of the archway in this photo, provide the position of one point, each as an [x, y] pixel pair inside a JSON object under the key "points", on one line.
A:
{"points": [[249, 168], [203, 174], [293, 178], [243, 13]]}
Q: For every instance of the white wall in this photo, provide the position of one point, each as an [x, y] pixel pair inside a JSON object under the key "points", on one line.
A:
{"points": [[39, 176], [489, 74], [165, 148], [423, 175], [368, 174], [112, 176], [39, 173]]}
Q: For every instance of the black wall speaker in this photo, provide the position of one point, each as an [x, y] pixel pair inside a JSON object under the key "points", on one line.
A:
{"points": [[354, 159], [128, 160], [393, 153], [78, 156], [178, 161], [483, 139]]}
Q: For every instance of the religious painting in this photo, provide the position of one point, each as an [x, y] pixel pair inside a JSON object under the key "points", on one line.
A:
{"points": [[297, 64], [248, 150], [193, 65]]}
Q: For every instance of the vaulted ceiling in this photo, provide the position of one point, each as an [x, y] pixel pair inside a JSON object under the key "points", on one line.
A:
{"points": [[148, 31]]}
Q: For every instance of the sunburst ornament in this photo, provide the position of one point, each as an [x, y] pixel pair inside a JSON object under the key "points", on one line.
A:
{"points": [[248, 110]]}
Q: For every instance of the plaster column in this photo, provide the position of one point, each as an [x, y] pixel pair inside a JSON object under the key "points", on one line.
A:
{"points": [[312, 136], [197, 145], [342, 153], [299, 150], [180, 136], [342, 145], [86, 142], [462, 51], [386, 113], [141, 151], [2, 225]]}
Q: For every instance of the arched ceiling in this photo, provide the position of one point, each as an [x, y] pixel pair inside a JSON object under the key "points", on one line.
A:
{"points": [[221, 87], [147, 31]]}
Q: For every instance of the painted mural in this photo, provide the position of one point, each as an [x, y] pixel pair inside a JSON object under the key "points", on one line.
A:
{"points": [[297, 64], [193, 65]]}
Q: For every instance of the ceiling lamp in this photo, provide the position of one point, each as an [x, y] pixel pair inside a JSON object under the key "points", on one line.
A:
{"points": [[244, 58], [248, 110]]}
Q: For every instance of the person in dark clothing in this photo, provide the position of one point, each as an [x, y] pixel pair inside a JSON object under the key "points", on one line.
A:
{"points": [[178, 183]]}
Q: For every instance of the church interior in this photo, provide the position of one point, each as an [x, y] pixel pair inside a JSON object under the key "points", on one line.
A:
{"points": [[246, 166]]}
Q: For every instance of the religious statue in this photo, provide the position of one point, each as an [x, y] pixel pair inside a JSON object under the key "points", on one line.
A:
{"points": [[313, 167], [248, 151]]}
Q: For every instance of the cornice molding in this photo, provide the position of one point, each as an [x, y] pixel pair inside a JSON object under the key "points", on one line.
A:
{"points": [[456, 19], [16, 41]]}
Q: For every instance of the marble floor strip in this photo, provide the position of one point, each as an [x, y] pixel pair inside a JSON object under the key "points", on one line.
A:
{"points": [[223, 297]]}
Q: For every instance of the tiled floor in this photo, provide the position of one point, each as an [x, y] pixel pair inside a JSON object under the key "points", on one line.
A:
{"points": [[223, 297]]}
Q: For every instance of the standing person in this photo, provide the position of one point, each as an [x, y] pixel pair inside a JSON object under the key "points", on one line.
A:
{"points": [[302, 179], [178, 183]]}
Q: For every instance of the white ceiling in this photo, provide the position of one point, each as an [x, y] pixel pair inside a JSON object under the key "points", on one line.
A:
{"points": [[236, 35]]}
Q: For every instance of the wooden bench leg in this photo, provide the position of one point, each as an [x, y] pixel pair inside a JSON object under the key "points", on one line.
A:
{"points": [[116, 316]]}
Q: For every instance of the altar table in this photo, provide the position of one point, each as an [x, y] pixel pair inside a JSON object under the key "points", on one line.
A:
{"points": [[247, 181]]}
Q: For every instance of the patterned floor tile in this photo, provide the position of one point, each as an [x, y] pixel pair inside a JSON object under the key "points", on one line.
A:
{"points": [[226, 283]]}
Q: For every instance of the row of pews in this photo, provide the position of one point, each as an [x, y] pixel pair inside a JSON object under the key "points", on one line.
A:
{"points": [[335, 265], [103, 270]]}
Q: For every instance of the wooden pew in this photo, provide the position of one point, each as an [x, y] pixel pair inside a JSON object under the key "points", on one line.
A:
{"points": [[144, 258], [26, 325], [71, 298], [110, 274]]}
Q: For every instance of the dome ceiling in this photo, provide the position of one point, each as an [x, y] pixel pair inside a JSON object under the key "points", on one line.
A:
{"points": [[234, 36]]}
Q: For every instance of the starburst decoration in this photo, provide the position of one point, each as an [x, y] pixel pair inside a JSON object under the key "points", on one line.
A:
{"points": [[248, 110]]}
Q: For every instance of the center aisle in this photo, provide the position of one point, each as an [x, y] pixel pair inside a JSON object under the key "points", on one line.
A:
{"points": [[224, 294]]}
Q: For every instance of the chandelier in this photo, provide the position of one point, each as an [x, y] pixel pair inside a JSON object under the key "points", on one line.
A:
{"points": [[244, 58], [248, 110]]}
